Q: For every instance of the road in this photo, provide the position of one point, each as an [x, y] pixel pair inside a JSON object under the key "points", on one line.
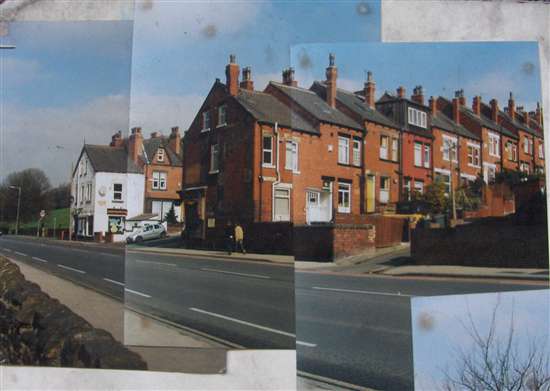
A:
{"points": [[354, 329], [247, 304], [361, 325]]}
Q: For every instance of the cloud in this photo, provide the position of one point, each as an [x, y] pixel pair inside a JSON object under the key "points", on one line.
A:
{"points": [[51, 138], [17, 72], [161, 112]]}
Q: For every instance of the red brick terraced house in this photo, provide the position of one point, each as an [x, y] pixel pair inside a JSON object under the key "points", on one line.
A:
{"points": [[457, 150], [380, 148], [413, 118], [265, 158], [159, 157], [530, 137]]}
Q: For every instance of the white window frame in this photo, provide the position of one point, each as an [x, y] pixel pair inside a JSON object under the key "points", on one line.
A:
{"points": [[343, 150], [159, 180], [160, 154], [474, 148], [541, 151], [450, 149], [384, 190], [407, 187], [214, 159], [417, 118], [526, 145], [344, 189], [286, 189], [427, 153], [418, 152], [222, 109], [269, 150], [206, 115], [489, 168], [291, 159], [384, 150], [494, 142], [310, 194], [394, 149], [356, 161], [419, 186], [115, 192]]}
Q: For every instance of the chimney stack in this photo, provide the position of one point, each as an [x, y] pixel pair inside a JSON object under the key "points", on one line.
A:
{"points": [[459, 94], [418, 95], [135, 144], [155, 134], [433, 105], [456, 110], [538, 115], [232, 76], [247, 82], [332, 75], [401, 92], [116, 140], [476, 105], [174, 141], [288, 77], [512, 107], [370, 89], [494, 110]]}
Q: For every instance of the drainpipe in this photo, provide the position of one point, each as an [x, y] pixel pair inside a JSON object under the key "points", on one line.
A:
{"points": [[278, 180]]}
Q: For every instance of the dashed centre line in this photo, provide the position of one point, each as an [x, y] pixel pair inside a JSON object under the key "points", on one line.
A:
{"points": [[39, 259], [311, 345], [113, 281], [137, 293], [206, 269], [22, 254], [71, 268], [155, 263]]}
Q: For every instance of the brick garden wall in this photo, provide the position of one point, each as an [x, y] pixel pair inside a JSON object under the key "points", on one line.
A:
{"points": [[495, 242]]}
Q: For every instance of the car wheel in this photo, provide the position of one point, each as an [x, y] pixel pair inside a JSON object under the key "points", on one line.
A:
{"points": [[139, 239], [162, 235]]}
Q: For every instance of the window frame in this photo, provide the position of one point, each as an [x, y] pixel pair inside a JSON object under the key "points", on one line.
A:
{"points": [[220, 109], [417, 118], [394, 149], [293, 164], [214, 158], [356, 152], [494, 141], [381, 188], [120, 192], [418, 152], [386, 148], [206, 114], [344, 188], [343, 141], [161, 178], [270, 150], [161, 154], [276, 196]]}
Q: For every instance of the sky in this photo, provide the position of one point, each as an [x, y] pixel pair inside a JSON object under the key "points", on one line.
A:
{"points": [[489, 69], [70, 82], [441, 328]]}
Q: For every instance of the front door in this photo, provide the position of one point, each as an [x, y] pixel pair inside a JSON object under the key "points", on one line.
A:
{"points": [[318, 206], [371, 193]]}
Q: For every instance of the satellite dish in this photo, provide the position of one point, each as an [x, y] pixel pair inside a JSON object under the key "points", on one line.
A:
{"points": [[102, 191]]}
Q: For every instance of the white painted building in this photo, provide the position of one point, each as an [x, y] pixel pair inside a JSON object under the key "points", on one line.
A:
{"points": [[106, 189]]}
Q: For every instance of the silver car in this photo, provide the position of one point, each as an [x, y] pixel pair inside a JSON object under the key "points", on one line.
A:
{"points": [[147, 232]]}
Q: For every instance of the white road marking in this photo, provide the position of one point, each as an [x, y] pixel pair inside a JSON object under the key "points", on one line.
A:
{"points": [[22, 254], [252, 325], [137, 293], [114, 282], [155, 263], [238, 274], [8, 250], [71, 268], [39, 259], [359, 291]]}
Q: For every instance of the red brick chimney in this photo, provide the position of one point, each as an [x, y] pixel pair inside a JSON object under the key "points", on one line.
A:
{"points": [[247, 82], [232, 76], [433, 105], [459, 94], [476, 105], [370, 90], [538, 115], [332, 75], [155, 134], [512, 107], [288, 77], [116, 140], [418, 95], [401, 92], [494, 110], [135, 144], [456, 110], [174, 142]]}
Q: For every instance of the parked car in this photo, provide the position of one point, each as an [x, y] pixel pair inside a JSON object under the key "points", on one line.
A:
{"points": [[147, 232]]}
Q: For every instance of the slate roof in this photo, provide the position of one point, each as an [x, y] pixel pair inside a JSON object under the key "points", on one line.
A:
{"points": [[520, 125], [105, 158], [357, 104], [316, 106], [266, 108], [151, 145], [441, 121]]}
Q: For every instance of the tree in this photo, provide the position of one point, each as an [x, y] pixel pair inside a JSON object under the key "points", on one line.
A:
{"points": [[499, 363], [34, 186], [58, 197], [435, 196], [171, 217]]}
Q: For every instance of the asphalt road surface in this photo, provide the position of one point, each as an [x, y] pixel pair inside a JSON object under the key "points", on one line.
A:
{"points": [[246, 304], [353, 329]]}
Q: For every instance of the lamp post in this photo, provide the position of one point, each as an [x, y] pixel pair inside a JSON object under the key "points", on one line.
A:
{"points": [[18, 207]]}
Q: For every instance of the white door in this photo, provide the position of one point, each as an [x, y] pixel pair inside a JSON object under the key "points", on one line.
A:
{"points": [[317, 206]]}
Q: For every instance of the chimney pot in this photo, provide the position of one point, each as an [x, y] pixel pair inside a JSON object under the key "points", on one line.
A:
{"points": [[232, 76], [418, 95], [370, 89], [247, 82]]}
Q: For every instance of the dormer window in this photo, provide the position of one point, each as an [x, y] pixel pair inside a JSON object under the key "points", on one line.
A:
{"points": [[160, 155], [418, 118], [206, 121]]}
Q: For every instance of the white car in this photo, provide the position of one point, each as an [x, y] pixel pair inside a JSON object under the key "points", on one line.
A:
{"points": [[147, 232]]}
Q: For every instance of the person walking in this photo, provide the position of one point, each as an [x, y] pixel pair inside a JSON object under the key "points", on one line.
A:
{"points": [[229, 231], [239, 238]]}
